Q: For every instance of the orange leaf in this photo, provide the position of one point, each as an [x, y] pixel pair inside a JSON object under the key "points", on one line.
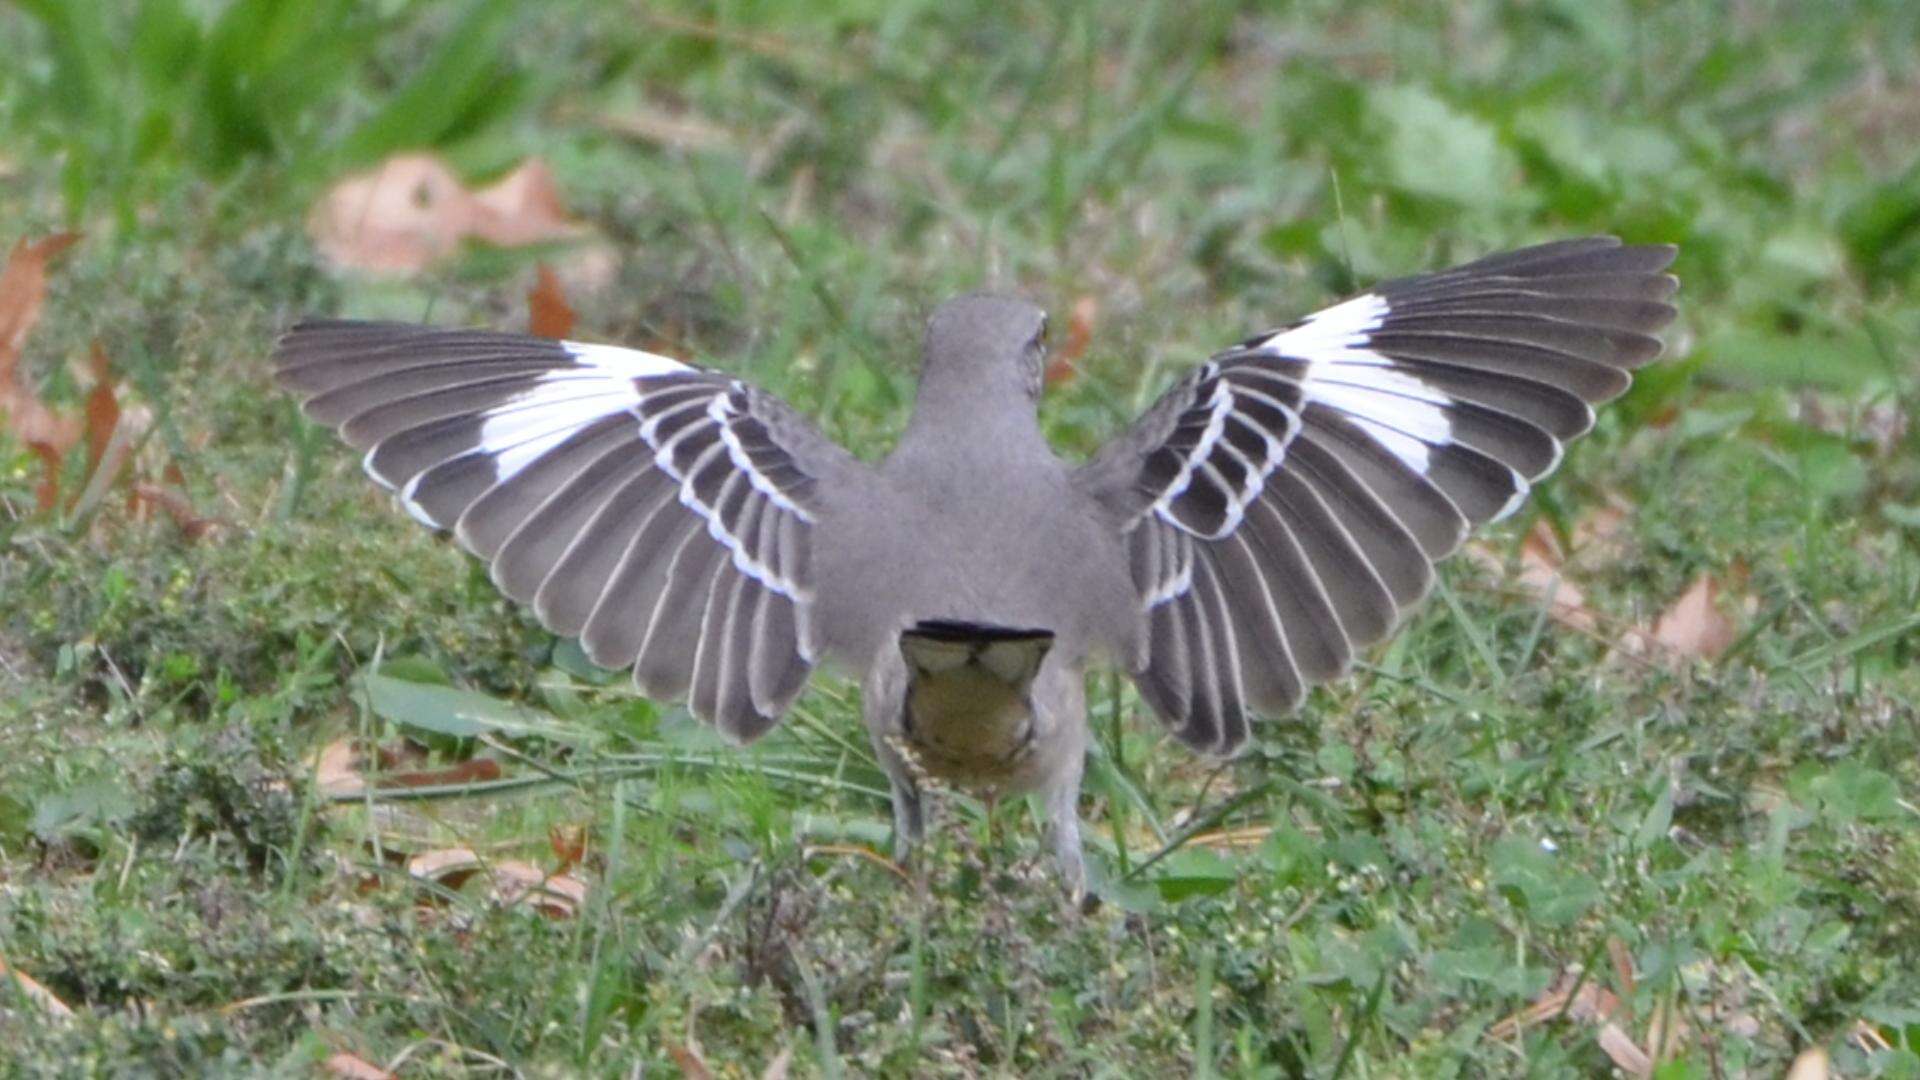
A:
{"points": [[1812, 1064], [353, 1067], [555, 895], [46, 494], [448, 866], [523, 207], [1541, 565], [1694, 627], [103, 409], [465, 772], [30, 989], [1079, 335], [337, 770], [23, 287], [569, 844], [551, 317], [412, 211], [175, 505], [692, 1065]]}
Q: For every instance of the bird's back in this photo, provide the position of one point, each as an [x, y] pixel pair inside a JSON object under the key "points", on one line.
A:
{"points": [[989, 533]]}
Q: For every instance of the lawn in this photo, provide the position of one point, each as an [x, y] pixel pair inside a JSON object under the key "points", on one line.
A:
{"points": [[287, 788]]}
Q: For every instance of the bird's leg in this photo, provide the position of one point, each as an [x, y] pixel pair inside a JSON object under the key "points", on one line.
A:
{"points": [[909, 817], [1063, 835]]}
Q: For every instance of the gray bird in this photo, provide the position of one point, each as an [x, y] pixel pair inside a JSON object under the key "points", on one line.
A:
{"points": [[1278, 509]]}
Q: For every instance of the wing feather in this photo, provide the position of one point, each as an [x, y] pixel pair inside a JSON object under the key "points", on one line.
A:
{"points": [[634, 500], [1283, 504]]}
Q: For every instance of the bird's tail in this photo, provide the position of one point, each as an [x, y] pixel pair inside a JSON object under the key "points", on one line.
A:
{"points": [[944, 646]]}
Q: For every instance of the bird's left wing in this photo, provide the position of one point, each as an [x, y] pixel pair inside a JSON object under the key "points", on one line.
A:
{"points": [[1284, 503], [661, 512]]}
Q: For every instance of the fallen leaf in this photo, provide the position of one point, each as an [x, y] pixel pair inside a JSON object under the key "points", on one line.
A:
{"points": [[178, 508], [1080, 319], [569, 844], [556, 895], [551, 317], [1589, 1002], [353, 1067], [448, 866], [777, 1068], [1623, 1051], [128, 430], [23, 289], [1542, 563], [412, 211], [31, 989], [103, 409], [523, 207], [1812, 1064], [1695, 627], [337, 770], [46, 494], [1599, 537], [692, 1065], [1622, 964], [465, 772]]}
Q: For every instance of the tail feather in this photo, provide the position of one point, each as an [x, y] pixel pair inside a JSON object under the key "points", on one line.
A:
{"points": [[939, 646]]}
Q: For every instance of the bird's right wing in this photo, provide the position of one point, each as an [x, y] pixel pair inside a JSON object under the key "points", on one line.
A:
{"points": [[1283, 504], [660, 512]]}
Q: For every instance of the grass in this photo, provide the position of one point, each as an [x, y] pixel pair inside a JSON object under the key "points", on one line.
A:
{"points": [[1492, 804]]}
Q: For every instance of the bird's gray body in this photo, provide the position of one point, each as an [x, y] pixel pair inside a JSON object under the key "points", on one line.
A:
{"points": [[974, 519]]}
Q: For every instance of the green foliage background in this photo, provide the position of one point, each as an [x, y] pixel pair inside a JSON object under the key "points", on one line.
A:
{"points": [[1488, 804]]}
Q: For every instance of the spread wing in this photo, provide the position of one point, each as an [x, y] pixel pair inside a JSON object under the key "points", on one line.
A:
{"points": [[658, 511], [1284, 504]]}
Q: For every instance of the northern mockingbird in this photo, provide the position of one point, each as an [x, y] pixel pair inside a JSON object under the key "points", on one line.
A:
{"points": [[1278, 509]]}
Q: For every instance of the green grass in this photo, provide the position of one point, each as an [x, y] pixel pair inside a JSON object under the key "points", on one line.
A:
{"points": [[1489, 803]]}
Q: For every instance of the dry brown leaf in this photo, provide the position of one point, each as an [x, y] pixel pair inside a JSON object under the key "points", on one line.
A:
{"points": [[523, 207], [178, 508], [1590, 1002], [1541, 564], [353, 1067], [1695, 627], [46, 494], [464, 772], [1600, 535], [692, 1065], [1812, 1064], [412, 211], [555, 895], [777, 1068], [569, 844], [1623, 1051], [1080, 321], [336, 771], [550, 316], [448, 866], [23, 289], [31, 989], [115, 455], [103, 409]]}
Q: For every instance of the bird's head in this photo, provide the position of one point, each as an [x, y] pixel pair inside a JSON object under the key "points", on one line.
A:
{"points": [[986, 338]]}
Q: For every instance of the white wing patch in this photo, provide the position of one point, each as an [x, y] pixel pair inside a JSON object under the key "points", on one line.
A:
{"points": [[1395, 409], [613, 360], [1332, 330]]}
